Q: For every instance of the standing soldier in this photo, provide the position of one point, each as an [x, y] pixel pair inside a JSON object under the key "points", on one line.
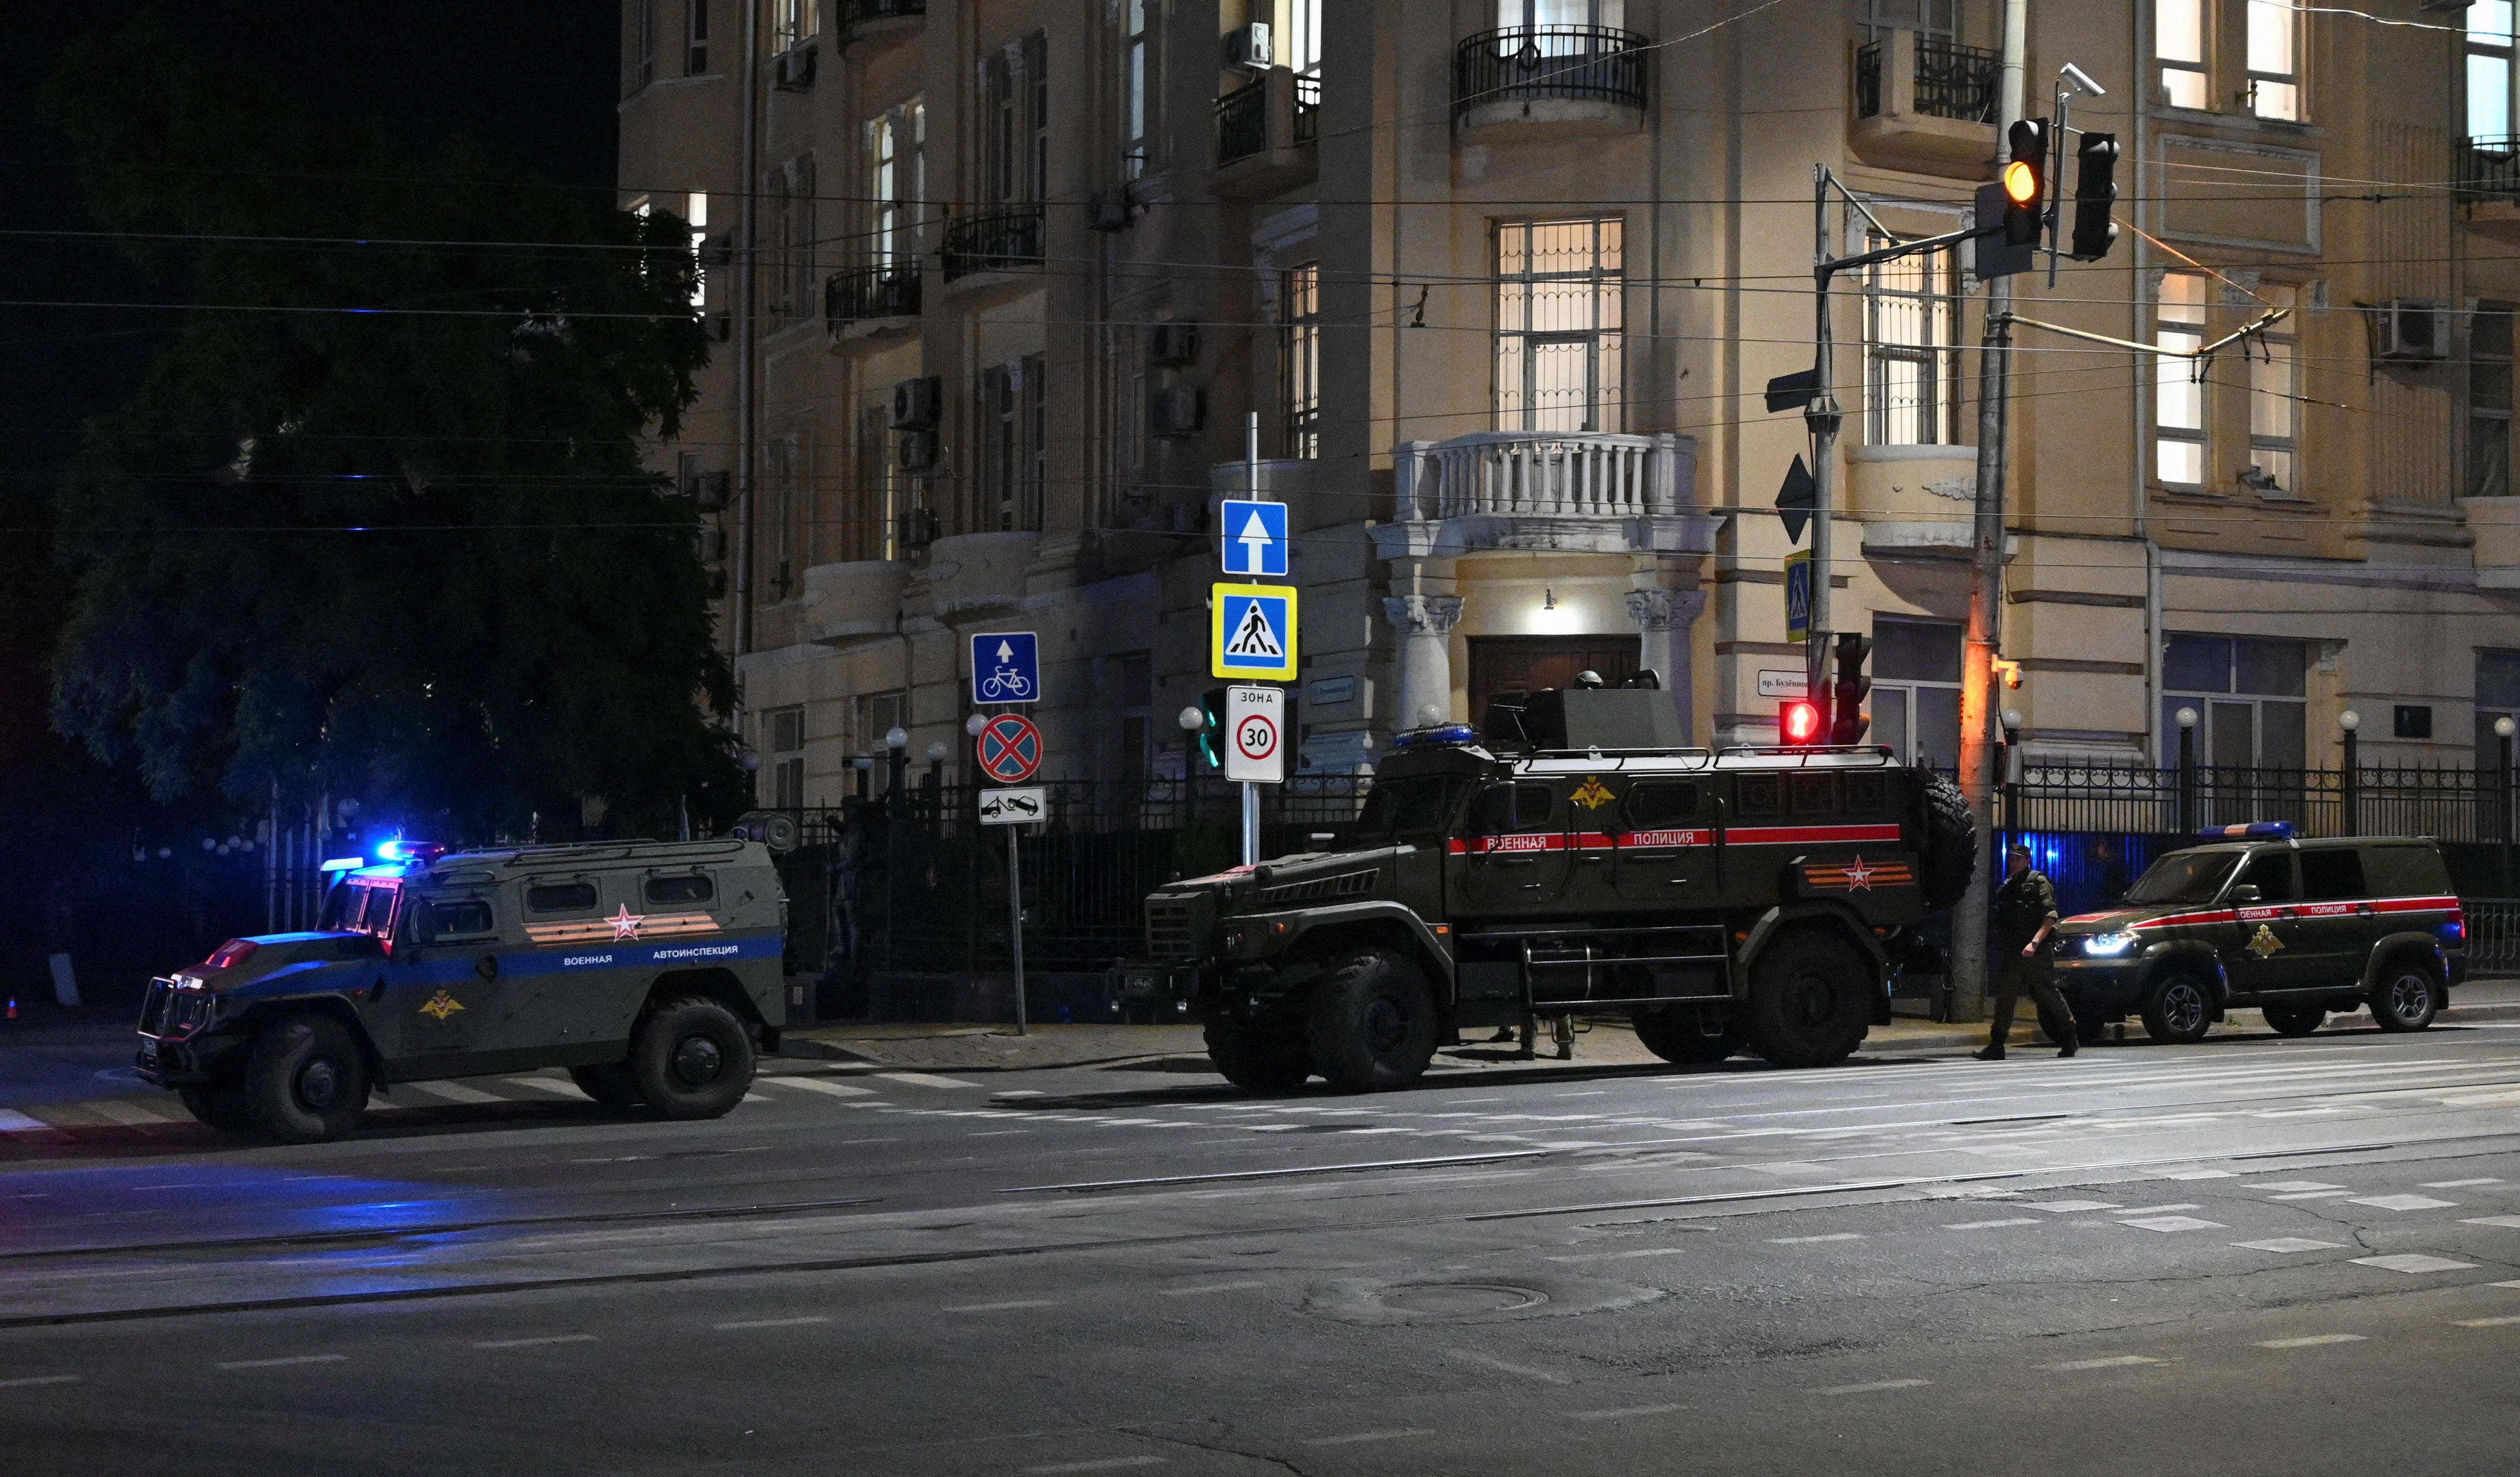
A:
{"points": [[2024, 914]]}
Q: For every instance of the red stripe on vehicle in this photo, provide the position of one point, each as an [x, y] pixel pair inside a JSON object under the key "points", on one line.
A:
{"points": [[1807, 835]]}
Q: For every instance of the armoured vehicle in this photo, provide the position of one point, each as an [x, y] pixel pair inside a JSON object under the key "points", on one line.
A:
{"points": [[1575, 863], [650, 969], [2298, 929]]}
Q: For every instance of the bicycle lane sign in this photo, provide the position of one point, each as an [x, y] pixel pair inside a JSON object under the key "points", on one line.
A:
{"points": [[1006, 668]]}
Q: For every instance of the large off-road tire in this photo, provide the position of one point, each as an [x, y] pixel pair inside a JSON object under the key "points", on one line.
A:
{"points": [[304, 1080], [1811, 999], [2178, 1009], [1679, 1034], [2409, 998], [692, 1059], [1947, 852], [611, 1084], [1371, 1024], [1258, 1061], [2294, 1020], [222, 1108]]}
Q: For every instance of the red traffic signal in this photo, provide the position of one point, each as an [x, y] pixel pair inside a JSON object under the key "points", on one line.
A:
{"points": [[1799, 720]]}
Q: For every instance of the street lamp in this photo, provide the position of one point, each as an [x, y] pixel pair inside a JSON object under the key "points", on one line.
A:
{"points": [[2348, 723], [2187, 720], [1192, 719], [864, 764], [896, 742], [2503, 727]]}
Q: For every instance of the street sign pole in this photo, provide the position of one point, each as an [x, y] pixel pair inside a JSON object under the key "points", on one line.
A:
{"points": [[1251, 490], [1014, 918]]}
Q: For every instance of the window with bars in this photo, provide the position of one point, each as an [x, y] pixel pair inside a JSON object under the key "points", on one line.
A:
{"points": [[2489, 400], [2275, 60], [1911, 374], [2488, 70], [1559, 339], [2178, 392], [2275, 402], [1299, 308], [2178, 49]]}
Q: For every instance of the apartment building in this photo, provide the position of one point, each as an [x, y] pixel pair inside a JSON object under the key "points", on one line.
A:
{"points": [[997, 284]]}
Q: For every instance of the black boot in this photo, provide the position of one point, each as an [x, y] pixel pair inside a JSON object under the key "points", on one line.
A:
{"points": [[1989, 1053]]}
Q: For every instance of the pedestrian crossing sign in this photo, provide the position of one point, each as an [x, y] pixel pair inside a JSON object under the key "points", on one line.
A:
{"points": [[1798, 595], [1252, 632]]}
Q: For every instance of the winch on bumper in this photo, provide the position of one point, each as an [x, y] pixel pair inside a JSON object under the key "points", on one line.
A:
{"points": [[180, 1045]]}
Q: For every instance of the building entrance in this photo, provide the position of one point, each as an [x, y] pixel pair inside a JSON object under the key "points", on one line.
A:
{"points": [[1502, 664]]}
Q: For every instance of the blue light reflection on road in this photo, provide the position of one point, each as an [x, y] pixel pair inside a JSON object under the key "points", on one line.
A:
{"points": [[43, 1210]]}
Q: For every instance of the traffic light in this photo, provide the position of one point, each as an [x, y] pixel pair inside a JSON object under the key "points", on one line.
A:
{"points": [[2025, 182], [1798, 723], [2096, 196], [1210, 737], [1847, 689]]}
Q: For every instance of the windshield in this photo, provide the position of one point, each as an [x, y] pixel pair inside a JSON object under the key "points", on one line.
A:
{"points": [[1408, 810], [2184, 876]]}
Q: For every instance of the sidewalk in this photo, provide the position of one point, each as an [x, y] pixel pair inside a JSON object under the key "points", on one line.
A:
{"points": [[966, 1047]]}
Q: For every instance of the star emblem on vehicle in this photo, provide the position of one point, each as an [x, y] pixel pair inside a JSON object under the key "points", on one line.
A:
{"points": [[1859, 876], [625, 923], [2264, 944]]}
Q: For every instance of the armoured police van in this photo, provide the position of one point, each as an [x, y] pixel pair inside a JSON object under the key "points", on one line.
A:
{"points": [[651, 970]]}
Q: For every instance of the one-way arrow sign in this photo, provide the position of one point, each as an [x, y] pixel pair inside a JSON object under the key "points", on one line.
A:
{"points": [[1796, 499], [1255, 538]]}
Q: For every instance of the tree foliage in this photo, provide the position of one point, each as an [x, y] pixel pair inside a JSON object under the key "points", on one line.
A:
{"points": [[376, 523]]}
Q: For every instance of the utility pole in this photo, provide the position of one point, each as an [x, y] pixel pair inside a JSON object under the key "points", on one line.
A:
{"points": [[1979, 697], [1822, 417]]}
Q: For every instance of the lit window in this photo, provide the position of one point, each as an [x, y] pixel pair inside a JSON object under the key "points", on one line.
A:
{"points": [[2178, 45], [2275, 86], [695, 216], [1300, 307], [2275, 402], [2179, 395], [1911, 372], [2488, 70], [793, 22], [1558, 342]]}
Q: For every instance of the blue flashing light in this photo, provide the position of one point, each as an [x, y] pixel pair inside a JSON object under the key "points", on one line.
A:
{"points": [[1451, 733], [392, 851], [2254, 830], [343, 864]]}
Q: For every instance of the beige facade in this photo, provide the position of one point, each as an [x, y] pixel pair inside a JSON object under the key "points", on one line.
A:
{"points": [[1503, 283]]}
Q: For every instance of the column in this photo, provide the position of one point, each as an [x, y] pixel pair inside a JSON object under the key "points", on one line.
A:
{"points": [[1426, 625], [1663, 619]]}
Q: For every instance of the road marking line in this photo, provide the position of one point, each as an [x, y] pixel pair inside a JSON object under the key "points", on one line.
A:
{"points": [[2457, 1184], [2113, 1361], [2312, 1341], [817, 1085], [2486, 1322], [1624, 1411], [2414, 1262], [2511, 1221], [1620, 1255], [2292, 1184], [774, 1323], [2503, 1284], [2158, 1210], [558, 1088], [38, 1379], [451, 1091], [1878, 1384], [14, 1122], [130, 1114], [2291, 1243], [2199, 1173], [2401, 1202], [999, 1307], [1111, 1463], [2175, 1222], [534, 1343], [2068, 1207], [1843, 1235], [1202, 1291], [2314, 1194], [274, 1363], [1364, 1436], [1992, 1225], [922, 1078], [1473, 1356]]}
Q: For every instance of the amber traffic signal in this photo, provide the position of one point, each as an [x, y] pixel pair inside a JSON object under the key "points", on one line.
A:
{"points": [[2025, 182]]}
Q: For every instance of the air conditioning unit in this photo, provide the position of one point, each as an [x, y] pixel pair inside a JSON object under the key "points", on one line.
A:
{"points": [[1112, 209], [1171, 344], [717, 250], [916, 403], [1178, 412], [794, 70], [1246, 46], [712, 546], [918, 451], [2412, 329]]}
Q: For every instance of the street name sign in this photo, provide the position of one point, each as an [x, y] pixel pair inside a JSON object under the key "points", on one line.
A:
{"points": [[1255, 748], [1006, 668], [1775, 684], [1255, 538], [1251, 632], [1014, 807]]}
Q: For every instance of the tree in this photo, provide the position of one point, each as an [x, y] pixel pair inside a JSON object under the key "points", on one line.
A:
{"points": [[376, 523]]}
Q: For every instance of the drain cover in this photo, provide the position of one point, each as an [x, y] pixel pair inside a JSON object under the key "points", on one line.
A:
{"points": [[1456, 1299]]}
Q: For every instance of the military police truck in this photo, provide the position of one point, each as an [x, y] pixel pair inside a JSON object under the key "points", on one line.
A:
{"points": [[651, 970], [1578, 862]]}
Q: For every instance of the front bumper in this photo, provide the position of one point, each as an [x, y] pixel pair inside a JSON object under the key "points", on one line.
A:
{"points": [[2102, 986]]}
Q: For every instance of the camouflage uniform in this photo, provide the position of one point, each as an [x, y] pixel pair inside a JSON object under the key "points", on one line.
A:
{"points": [[2022, 905]]}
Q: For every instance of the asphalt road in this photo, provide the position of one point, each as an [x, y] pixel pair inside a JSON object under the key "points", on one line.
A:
{"points": [[2250, 1255]]}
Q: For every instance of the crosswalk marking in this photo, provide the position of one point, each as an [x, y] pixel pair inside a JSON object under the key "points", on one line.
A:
{"points": [[2401, 1202], [2508, 1221], [1993, 1225], [2487, 1322], [2113, 1361], [1866, 1389], [14, 1122], [450, 1091], [926, 1080], [2173, 1222], [2413, 1263], [548, 1085], [2290, 1243], [818, 1085], [130, 1114], [2312, 1341]]}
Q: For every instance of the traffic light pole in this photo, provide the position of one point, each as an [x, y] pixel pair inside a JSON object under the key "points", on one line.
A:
{"points": [[1822, 417]]}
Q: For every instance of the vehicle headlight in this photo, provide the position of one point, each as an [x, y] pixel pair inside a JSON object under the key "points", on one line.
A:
{"points": [[2109, 944]]}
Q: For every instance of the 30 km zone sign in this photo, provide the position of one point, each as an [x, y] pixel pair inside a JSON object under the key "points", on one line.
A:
{"points": [[1255, 746]]}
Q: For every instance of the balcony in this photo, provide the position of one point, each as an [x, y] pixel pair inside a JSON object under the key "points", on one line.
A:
{"points": [[1574, 492], [1007, 238], [1560, 79], [2488, 185], [1264, 133], [879, 19], [870, 302], [1926, 103]]}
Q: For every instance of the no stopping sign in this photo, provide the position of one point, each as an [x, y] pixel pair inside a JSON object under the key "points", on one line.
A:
{"points": [[1256, 732]]}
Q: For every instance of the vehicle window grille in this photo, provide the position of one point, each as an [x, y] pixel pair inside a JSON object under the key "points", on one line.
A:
{"points": [[1314, 889], [1761, 795], [1868, 794], [1168, 931], [1812, 795]]}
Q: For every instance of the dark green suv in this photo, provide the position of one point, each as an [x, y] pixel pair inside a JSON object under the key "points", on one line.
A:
{"points": [[2298, 929]]}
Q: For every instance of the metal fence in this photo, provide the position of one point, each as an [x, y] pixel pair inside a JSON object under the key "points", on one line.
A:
{"points": [[1520, 64], [2489, 168], [992, 241], [2492, 935], [1241, 123], [2449, 804]]}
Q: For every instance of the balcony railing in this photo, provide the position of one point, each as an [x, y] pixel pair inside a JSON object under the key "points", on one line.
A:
{"points": [[866, 12], [992, 241], [1526, 62], [1950, 81], [2489, 168], [879, 292], [1242, 122], [1568, 473]]}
